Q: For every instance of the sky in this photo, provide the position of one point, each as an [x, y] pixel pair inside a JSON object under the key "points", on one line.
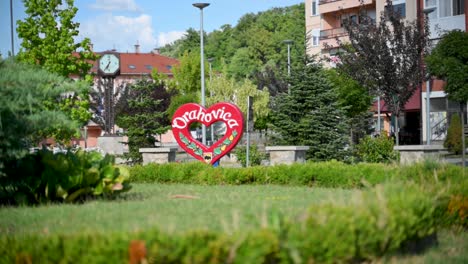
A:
{"points": [[120, 24]]}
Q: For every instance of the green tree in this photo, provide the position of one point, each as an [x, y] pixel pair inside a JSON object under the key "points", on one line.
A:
{"points": [[310, 114], [24, 115], [187, 73], [187, 81], [453, 142], [386, 58], [224, 89], [190, 42], [355, 100], [272, 79], [256, 40], [242, 64], [449, 61], [218, 45], [142, 113], [48, 39]]}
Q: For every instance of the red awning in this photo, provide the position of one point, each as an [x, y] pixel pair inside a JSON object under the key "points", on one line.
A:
{"points": [[413, 104]]}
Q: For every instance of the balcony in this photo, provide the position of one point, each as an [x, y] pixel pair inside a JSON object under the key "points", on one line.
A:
{"points": [[330, 6], [332, 33], [329, 37]]}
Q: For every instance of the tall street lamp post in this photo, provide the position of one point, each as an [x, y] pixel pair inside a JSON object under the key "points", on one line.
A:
{"points": [[202, 61], [210, 60], [11, 29], [289, 42], [426, 12]]}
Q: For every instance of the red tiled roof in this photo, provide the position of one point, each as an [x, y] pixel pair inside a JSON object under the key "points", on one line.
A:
{"points": [[142, 63]]}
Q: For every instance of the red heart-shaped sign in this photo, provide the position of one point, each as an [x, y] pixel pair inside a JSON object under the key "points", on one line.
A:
{"points": [[226, 112]]}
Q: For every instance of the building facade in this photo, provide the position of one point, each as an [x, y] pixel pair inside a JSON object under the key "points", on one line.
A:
{"points": [[324, 24], [133, 66], [443, 15]]}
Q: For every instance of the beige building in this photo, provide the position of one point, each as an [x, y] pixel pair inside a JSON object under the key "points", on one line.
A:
{"points": [[324, 23], [325, 19]]}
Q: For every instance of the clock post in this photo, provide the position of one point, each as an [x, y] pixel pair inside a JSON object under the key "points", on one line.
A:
{"points": [[109, 68]]}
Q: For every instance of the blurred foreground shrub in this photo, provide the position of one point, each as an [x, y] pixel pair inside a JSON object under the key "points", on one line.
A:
{"points": [[374, 222], [44, 177]]}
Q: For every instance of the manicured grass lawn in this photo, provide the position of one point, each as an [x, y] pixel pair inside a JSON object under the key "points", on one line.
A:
{"points": [[220, 208], [179, 208]]}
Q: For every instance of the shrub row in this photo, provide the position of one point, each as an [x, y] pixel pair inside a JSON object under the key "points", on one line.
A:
{"points": [[321, 174], [377, 221]]}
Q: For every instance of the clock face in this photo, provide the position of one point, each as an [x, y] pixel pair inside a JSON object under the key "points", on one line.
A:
{"points": [[109, 64]]}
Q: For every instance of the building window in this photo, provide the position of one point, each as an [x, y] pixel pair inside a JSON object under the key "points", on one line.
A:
{"points": [[451, 7], [445, 7], [430, 3], [399, 7], [315, 7], [458, 7], [349, 19], [132, 67], [149, 67], [315, 37]]}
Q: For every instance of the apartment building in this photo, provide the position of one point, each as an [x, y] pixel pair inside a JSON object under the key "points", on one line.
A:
{"points": [[443, 15], [324, 24], [325, 20]]}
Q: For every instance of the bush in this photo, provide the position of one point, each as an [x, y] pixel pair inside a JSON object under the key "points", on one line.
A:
{"points": [[453, 142], [44, 177], [378, 149], [375, 222], [255, 156], [378, 221], [458, 209]]}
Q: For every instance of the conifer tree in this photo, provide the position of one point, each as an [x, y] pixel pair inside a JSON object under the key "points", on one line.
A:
{"points": [[142, 113], [24, 115], [453, 142], [310, 114]]}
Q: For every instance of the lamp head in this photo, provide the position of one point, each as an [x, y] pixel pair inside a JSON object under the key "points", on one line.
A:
{"points": [[201, 5], [429, 10], [288, 41]]}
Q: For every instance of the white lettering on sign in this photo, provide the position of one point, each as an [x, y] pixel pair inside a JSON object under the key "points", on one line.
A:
{"points": [[181, 122]]}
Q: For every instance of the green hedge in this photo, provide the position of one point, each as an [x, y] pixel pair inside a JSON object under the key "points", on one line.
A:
{"points": [[375, 222], [321, 174]]}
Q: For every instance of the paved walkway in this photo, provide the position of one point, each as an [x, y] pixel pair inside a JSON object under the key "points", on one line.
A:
{"points": [[457, 161]]}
